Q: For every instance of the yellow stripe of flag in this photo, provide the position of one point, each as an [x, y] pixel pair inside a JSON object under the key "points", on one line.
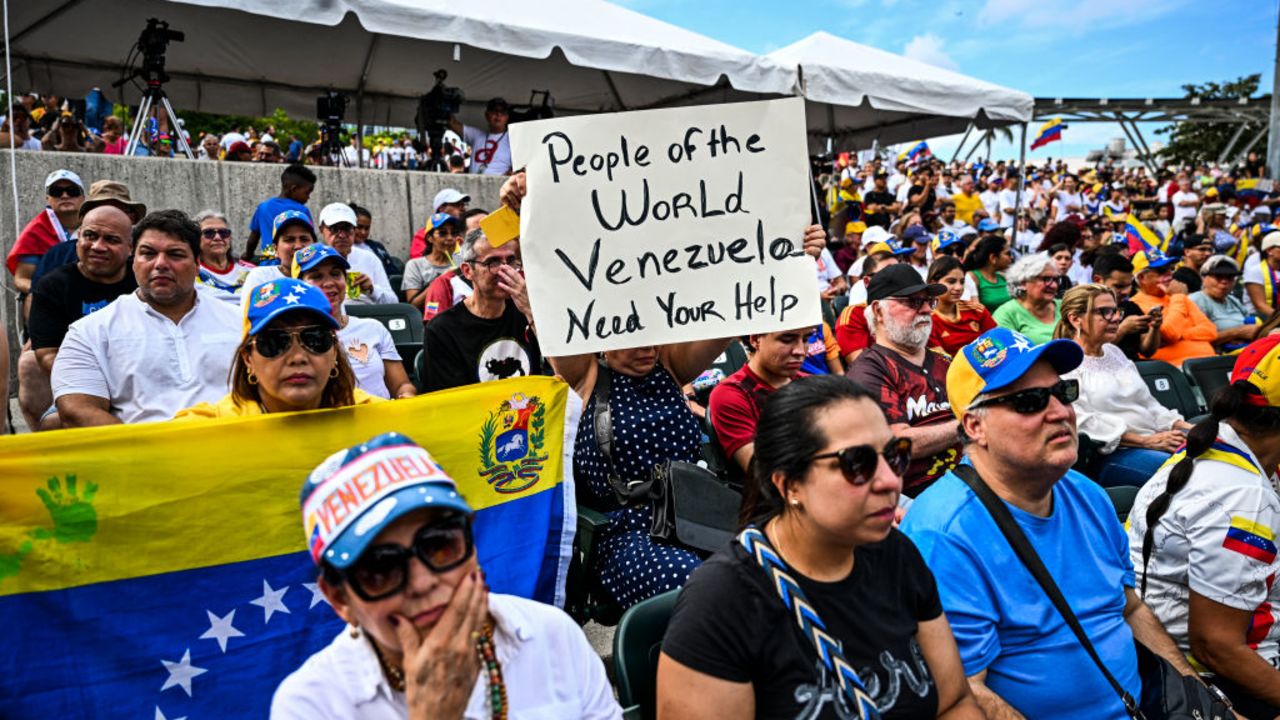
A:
{"points": [[1243, 523]]}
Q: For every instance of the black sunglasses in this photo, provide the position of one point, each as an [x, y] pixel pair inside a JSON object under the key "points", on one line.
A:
{"points": [[858, 462], [1034, 400], [65, 191], [211, 233], [274, 343], [383, 570]]}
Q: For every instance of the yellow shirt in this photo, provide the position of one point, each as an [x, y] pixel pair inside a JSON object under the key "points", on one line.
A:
{"points": [[228, 407], [966, 205]]}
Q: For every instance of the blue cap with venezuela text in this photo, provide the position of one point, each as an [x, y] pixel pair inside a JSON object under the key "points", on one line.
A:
{"points": [[997, 359], [357, 492], [291, 217], [272, 299], [312, 255]]}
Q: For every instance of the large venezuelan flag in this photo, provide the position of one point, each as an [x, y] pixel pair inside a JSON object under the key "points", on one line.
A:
{"points": [[160, 570], [1141, 238]]}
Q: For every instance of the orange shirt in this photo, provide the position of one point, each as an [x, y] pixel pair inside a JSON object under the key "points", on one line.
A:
{"points": [[1185, 331]]}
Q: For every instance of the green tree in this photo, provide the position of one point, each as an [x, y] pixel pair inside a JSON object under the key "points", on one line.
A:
{"points": [[1192, 143]]}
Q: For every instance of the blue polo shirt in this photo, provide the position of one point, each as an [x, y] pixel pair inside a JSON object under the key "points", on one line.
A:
{"points": [[1005, 624]]}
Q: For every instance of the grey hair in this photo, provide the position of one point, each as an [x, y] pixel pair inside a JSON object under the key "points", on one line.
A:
{"points": [[870, 313], [1025, 268], [210, 215], [979, 412], [468, 248]]}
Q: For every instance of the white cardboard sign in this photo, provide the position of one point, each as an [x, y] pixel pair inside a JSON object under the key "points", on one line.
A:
{"points": [[662, 226]]}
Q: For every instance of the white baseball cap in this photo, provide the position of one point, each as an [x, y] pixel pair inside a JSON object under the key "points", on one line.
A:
{"points": [[1270, 240], [448, 196], [67, 175], [335, 213]]}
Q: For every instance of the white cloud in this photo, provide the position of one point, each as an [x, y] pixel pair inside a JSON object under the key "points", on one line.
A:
{"points": [[927, 48], [1074, 16]]}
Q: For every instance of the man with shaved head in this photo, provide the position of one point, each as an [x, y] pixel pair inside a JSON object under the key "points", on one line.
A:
{"points": [[99, 276]]}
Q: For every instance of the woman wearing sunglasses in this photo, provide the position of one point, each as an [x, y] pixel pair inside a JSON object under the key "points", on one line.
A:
{"points": [[367, 343], [426, 638], [1033, 283], [819, 524], [1115, 409], [220, 269], [289, 359]]}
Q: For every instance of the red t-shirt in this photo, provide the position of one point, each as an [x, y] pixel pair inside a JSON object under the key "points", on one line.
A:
{"points": [[851, 329], [912, 395], [735, 408], [418, 245], [439, 295], [951, 336]]}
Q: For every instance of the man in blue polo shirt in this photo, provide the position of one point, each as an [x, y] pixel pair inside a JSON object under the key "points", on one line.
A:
{"points": [[1019, 432]]}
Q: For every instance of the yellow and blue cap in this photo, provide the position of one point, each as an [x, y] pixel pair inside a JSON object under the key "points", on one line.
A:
{"points": [[358, 491], [1259, 365], [272, 299], [997, 359], [312, 255], [1151, 259]]}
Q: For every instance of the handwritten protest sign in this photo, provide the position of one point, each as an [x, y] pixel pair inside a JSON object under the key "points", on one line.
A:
{"points": [[661, 226]]}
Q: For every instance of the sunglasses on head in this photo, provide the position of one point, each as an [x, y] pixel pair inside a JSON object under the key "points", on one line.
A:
{"points": [[274, 343], [58, 191], [858, 462], [1034, 400], [383, 570], [211, 233]]}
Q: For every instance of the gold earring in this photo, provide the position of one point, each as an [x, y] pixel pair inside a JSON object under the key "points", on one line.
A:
{"points": [[334, 372], [354, 631], [253, 379]]}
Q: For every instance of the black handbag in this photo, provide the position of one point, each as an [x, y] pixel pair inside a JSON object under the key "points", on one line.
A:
{"points": [[1166, 693], [690, 505]]}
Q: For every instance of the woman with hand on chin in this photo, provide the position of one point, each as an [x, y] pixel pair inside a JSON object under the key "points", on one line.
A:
{"points": [[289, 358], [427, 640], [819, 515], [367, 343]]}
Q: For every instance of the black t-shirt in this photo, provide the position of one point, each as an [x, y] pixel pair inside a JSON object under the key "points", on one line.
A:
{"points": [[1130, 343], [1190, 278], [875, 197], [462, 349], [929, 199], [730, 623], [64, 296]]}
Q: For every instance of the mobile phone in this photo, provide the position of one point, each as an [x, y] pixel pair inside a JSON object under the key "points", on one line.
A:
{"points": [[1157, 310]]}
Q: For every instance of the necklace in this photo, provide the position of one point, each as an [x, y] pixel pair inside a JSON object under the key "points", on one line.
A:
{"points": [[488, 656]]}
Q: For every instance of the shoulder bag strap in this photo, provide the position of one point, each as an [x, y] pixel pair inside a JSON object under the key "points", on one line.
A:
{"points": [[828, 648], [627, 492], [1027, 554]]}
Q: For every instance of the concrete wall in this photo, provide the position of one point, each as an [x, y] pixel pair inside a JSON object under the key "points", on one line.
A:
{"points": [[399, 200]]}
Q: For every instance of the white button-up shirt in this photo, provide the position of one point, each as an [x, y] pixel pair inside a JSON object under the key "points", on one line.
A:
{"points": [[366, 261], [548, 667], [144, 364]]}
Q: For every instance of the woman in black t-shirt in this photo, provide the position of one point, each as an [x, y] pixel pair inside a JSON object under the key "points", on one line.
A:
{"points": [[826, 480]]}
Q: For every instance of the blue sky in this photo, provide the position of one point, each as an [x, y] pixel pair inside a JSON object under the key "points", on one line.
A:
{"points": [[1048, 48]]}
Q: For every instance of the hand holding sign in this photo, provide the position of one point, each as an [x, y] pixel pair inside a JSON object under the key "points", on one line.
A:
{"points": [[665, 226]]}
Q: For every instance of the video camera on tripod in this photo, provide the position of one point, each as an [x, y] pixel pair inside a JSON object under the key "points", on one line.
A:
{"points": [[331, 108], [152, 44], [434, 111]]}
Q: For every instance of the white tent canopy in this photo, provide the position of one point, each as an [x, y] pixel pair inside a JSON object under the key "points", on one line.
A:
{"points": [[858, 94], [251, 56]]}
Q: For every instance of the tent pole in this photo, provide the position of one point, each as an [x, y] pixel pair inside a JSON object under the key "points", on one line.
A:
{"points": [[1226, 149], [1022, 178], [963, 140]]}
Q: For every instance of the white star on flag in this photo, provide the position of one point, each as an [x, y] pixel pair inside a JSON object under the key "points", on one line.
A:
{"points": [[181, 672], [317, 595], [160, 715], [272, 601], [292, 298], [220, 628]]}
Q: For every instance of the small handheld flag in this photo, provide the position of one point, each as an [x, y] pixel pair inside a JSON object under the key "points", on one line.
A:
{"points": [[1049, 132]]}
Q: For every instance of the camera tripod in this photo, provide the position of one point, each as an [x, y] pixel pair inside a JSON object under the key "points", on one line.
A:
{"points": [[148, 104]]}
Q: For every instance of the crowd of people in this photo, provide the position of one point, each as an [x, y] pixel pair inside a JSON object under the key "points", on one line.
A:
{"points": [[980, 321], [55, 124]]}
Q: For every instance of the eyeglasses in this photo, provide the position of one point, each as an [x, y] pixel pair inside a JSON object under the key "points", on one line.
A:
{"points": [[383, 570], [1034, 400], [916, 303], [211, 233], [1047, 279], [1107, 313], [492, 263], [274, 343], [858, 462], [71, 191]]}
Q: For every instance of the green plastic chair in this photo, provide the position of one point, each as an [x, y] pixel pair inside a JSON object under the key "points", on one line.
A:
{"points": [[1170, 387], [1122, 496], [636, 646]]}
